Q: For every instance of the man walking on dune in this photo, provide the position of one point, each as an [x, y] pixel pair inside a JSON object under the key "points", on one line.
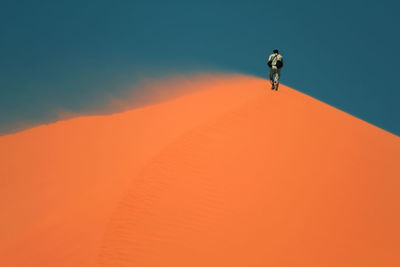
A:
{"points": [[275, 62]]}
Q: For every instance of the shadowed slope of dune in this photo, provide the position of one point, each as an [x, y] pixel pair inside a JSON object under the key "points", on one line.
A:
{"points": [[230, 175]]}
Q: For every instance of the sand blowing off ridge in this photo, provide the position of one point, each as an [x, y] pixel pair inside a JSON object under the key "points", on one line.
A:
{"points": [[229, 175]]}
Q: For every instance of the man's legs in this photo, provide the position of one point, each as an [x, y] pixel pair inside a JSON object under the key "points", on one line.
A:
{"points": [[277, 77], [271, 75], [274, 77]]}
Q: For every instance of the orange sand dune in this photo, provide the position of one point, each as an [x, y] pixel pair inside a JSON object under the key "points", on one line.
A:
{"points": [[232, 174]]}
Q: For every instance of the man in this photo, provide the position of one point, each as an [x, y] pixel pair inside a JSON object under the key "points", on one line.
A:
{"points": [[275, 62]]}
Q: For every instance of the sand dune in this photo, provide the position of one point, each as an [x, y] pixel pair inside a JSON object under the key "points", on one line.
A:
{"points": [[232, 174]]}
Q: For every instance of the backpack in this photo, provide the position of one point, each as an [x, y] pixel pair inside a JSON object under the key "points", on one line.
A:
{"points": [[279, 63]]}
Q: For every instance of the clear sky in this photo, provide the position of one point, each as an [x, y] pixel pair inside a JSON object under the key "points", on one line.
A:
{"points": [[73, 55]]}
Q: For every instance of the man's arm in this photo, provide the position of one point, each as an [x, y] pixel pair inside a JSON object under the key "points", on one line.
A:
{"points": [[269, 61]]}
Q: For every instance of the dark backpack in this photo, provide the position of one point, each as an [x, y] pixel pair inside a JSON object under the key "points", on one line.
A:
{"points": [[279, 63]]}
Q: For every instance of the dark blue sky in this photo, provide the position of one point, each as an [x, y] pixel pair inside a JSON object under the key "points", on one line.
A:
{"points": [[74, 55]]}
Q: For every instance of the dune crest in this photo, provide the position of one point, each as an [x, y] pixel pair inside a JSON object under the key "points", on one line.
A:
{"points": [[232, 174]]}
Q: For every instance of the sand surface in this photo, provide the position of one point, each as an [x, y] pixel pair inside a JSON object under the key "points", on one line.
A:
{"points": [[232, 174]]}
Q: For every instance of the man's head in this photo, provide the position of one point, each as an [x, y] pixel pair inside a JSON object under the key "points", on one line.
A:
{"points": [[276, 51]]}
